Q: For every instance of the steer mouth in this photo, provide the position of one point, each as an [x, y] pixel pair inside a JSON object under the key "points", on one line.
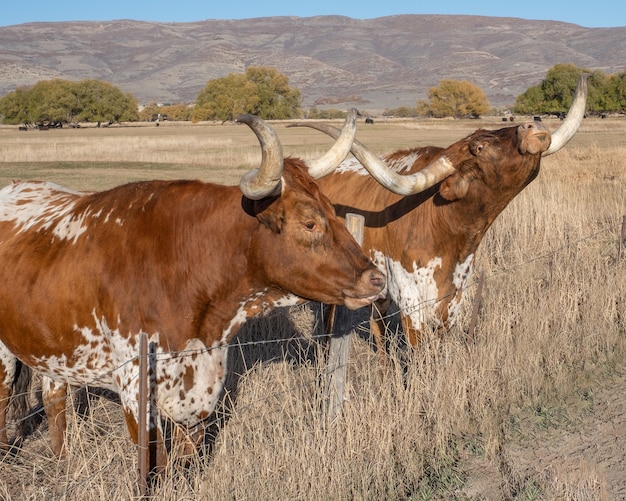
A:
{"points": [[356, 302]]}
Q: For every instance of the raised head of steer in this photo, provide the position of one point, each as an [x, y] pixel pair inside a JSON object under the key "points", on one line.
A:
{"points": [[185, 262]]}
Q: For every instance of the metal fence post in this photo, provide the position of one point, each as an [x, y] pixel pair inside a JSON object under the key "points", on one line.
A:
{"points": [[142, 439]]}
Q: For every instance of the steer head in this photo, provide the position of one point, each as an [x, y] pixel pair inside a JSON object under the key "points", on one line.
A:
{"points": [[494, 166], [318, 258]]}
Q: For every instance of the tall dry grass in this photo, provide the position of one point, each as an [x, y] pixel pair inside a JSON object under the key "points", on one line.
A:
{"points": [[551, 328]]}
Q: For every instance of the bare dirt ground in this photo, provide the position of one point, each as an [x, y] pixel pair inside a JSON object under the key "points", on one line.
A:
{"points": [[581, 459]]}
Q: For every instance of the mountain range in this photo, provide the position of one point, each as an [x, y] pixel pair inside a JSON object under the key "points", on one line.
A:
{"points": [[335, 61]]}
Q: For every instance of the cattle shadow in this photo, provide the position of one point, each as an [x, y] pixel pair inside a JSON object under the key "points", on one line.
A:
{"points": [[292, 335], [297, 336]]}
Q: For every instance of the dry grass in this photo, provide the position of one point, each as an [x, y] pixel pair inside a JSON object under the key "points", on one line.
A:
{"points": [[551, 328]]}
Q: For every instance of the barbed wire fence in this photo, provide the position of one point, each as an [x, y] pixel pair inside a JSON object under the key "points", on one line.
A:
{"points": [[333, 366]]}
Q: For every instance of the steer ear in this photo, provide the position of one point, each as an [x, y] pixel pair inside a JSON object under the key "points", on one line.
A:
{"points": [[270, 212], [455, 187]]}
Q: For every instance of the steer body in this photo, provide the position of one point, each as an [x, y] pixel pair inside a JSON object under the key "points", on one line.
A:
{"points": [[185, 262], [429, 208], [426, 242]]}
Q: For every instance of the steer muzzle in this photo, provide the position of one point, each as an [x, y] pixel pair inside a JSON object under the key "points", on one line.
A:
{"points": [[533, 138], [368, 289]]}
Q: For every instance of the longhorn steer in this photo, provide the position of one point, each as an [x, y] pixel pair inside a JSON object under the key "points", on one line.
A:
{"points": [[426, 241], [186, 262]]}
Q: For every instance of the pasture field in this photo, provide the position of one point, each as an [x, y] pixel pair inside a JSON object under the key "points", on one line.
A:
{"points": [[532, 408]]}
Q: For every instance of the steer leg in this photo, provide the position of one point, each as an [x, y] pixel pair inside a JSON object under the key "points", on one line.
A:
{"points": [[185, 442], [5, 394], [7, 374], [15, 379], [8, 369], [156, 454], [412, 334], [54, 395], [378, 328]]}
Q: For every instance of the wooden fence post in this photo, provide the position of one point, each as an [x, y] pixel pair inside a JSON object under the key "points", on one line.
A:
{"points": [[142, 439], [339, 349]]}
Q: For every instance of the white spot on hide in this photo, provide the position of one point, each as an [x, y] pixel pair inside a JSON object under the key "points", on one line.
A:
{"points": [[42, 206], [460, 278], [8, 364], [416, 292], [396, 165]]}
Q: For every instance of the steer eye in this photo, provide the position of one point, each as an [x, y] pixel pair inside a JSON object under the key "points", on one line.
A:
{"points": [[310, 225]]}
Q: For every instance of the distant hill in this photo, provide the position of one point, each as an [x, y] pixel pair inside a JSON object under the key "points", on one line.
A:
{"points": [[335, 61]]}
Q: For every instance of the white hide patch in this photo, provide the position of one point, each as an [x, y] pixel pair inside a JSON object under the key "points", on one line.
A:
{"points": [[185, 402], [416, 292], [460, 278], [8, 364], [351, 165], [256, 304], [402, 164], [42, 206], [399, 166], [188, 382]]}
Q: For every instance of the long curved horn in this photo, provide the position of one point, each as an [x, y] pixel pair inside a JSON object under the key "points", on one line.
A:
{"points": [[330, 160], [575, 115], [397, 183], [266, 180]]}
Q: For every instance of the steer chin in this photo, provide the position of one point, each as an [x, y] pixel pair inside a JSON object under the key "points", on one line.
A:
{"points": [[354, 303]]}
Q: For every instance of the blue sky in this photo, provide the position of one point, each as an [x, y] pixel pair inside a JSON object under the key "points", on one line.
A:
{"points": [[592, 14]]}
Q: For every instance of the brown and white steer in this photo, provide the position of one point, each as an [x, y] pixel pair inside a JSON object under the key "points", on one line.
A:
{"points": [[426, 241], [186, 262]]}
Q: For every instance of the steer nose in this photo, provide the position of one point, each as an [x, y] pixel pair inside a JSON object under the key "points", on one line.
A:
{"points": [[377, 279]]}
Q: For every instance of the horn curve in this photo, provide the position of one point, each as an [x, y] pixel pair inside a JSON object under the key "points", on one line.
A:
{"points": [[574, 118], [409, 184], [330, 160], [266, 179]]}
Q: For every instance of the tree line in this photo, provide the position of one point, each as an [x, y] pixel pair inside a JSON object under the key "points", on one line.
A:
{"points": [[266, 92], [607, 93], [59, 101]]}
